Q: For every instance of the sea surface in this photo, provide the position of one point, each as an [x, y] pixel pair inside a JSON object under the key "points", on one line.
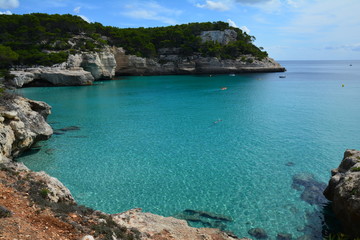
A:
{"points": [[224, 144]]}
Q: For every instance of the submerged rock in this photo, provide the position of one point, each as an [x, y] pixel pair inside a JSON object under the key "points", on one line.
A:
{"points": [[312, 189], [344, 192], [208, 215], [283, 236], [258, 233]]}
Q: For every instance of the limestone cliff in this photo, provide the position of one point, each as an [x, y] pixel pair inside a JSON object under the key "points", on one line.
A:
{"points": [[344, 192], [80, 69], [171, 62]]}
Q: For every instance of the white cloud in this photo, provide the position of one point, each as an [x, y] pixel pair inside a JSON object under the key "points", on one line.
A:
{"points": [[232, 23], [350, 47], [77, 9], [219, 6], [7, 4], [85, 18], [245, 29], [152, 11], [6, 13], [252, 1]]}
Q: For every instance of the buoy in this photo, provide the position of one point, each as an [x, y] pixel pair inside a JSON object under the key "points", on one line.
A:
{"points": [[343, 85]]}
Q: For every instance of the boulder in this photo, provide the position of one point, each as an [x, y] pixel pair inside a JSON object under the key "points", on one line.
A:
{"points": [[56, 191], [23, 125], [344, 192]]}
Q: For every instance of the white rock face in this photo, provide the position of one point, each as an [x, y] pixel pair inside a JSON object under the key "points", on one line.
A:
{"points": [[222, 37], [23, 125], [57, 191], [80, 69]]}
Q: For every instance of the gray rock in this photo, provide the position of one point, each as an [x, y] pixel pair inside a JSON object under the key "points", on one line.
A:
{"points": [[344, 192], [222, 37], [284, 236], [4, 212], [258, 233], [57, 191], [312, 189]]}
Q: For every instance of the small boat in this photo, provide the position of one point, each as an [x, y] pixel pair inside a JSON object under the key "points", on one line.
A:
{"points": [[282, 76], [224, 88], [232, 75]]}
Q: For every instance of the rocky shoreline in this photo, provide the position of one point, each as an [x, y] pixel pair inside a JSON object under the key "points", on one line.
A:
{"points": [[23, 123], [86, 67]]}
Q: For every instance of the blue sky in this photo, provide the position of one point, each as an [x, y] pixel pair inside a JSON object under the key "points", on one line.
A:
{"points": [[287, 29]]}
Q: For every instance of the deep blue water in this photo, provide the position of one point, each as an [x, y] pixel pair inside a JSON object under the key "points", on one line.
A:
{"points": [[170, 143]]}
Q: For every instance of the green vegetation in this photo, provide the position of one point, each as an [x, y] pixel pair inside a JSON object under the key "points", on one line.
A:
{"points": [[45, 39], [44, 192], [355, 169]]}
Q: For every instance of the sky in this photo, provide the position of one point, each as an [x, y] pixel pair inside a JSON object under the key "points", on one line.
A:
{"points": [[286, 29]]}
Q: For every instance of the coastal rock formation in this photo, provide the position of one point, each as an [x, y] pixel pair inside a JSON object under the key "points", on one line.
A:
{"points": [[222, 37], [153, 226], [80, 69], [22, 124], [101, 64], [344, 192], [51, 76], [175, 64]]}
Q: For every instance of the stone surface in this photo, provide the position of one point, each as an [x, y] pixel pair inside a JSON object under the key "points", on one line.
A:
{"points": [[310, 187], [222, 37], [153, 226], [57, 191], [24, 124], [344, 192]]}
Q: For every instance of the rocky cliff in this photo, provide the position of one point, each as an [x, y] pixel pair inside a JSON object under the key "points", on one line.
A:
{"points": [[344, 192], [171, 62], [80, 69], [86, 67]]}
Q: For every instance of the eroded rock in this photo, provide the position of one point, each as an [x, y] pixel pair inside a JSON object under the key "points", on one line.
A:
{"points": [[344, 192]]}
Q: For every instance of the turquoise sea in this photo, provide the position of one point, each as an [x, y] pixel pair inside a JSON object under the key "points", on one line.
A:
{"points": [[170, 143]]}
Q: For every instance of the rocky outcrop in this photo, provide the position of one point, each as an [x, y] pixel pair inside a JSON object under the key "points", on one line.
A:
{"points": [[170, 63], [153, 226], [222, 37], [80, 69], [22, 124], [51, 76], [101, 64], [344, 192]]}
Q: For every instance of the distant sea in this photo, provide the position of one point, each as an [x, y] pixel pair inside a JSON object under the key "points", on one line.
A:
{"points": [[224, 144]]}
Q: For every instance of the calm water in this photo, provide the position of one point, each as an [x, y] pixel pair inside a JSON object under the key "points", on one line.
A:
{"points": [[170, 143]]}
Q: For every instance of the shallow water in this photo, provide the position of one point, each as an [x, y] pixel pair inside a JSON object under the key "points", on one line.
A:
{"points": [[170, 143]]}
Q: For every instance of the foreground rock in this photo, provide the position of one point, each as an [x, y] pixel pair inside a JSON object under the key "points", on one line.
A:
{"points": [[22, 124], [344, 192], [153, 226]]}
